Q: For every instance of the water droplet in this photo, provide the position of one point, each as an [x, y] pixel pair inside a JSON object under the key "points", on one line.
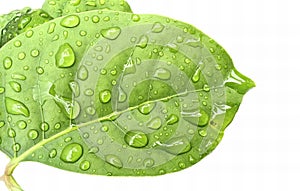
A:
{"points": [[16, 147], [89, 92], [65, 56], [70, 21], [95, 19], [51, 28], [162, 73], [71, 153], [29, 34], [105, 96], [68, 139], [15, 86], [105, 128], [162, 171], [172, 119], [122, 95], [75, 110], [44, 126], [21, 56], [83, 73], [111, 33], [15, 107], [22, 124], [196, 76], [2, 90], [40, 70], [202, 133], [176, 146], [90, 110], [143, 42], [75, 2], [158, 27], [7, 63], [18, 43], [135, 18], [11, 133], [17, 76], [154, 123], [53, 153], [114, 160], [146, 108], [33, 134], [24, 22], [148, 163], [2, 123], [199, 118], [57, 126], [85, 165], [93, 150], [74, 86], [136, 139], [35, 53], [206, 88], [181, 165]]}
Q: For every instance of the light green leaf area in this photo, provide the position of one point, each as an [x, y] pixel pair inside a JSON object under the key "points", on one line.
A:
{"points": [[57, 8], [132, 95]]}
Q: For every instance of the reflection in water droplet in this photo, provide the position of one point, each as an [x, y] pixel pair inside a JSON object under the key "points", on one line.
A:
{"points": [[65, 56], [154, 123], [71, 153], [114, 161], [15, 107], [111, 33], [136, 139]]}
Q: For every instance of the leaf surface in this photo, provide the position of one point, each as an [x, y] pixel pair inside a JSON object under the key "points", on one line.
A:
{"points": [[130, 95]]}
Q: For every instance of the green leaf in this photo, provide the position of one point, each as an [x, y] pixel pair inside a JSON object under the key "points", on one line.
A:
{"points": [[22, 22], [134, 95], [57, 8]]}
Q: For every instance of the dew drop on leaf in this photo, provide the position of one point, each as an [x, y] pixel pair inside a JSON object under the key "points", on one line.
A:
{"points": [[105, 96], [85, 165], [53, 153], [65, 56], [111, 33], [70, 21], [32, 134], [136, 139], [146, 108], [155, 123], [15, 107], [162, 73], [15, 86], [114, 161], [172, 119], [158, 27], [7, 63], [21, 124], [71, 153]]}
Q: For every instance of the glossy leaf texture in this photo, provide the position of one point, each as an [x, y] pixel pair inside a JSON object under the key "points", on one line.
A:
{"points": [[115, 93], [57, 8]]}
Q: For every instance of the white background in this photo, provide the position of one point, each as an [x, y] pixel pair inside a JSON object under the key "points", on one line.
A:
{"points": [[260, 149]]}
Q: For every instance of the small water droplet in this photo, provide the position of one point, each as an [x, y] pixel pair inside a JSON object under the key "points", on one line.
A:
{"points": [[176, 146], [148, 163], [75, 2], [206, 88], [71, 153], [65, 56], [15, 86], [7, 63], [89, 92], [40, 70], [90, 110], [16, 147], [68, 139], [21, 56], [202, 133], [111, 33], [70, 21], [105, 96], [2, 123], [199, 118], [22, 124], [17, 43], [2, 90], [32, 134], [44, 126], [93, 150], [146, 108], [122, 95], [181, 165], [114, 161], [35, 53], [57, 126], [83, 73], [17, 76], [11, 133], [172, 119], [162, 73], [154, 123], [158, 27], [53, 153], [85, 165], [196, 76], [136, 139], [105, 128], [74, 86], [135, 18], [51, 28], [95, 19], [15, 107]]}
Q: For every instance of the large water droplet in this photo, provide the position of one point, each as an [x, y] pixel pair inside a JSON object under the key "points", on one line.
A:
{"points": [[85, 165], [15, 107], [111, 33], [7, 63], [162, 73], [136, 139], [154, 123], [143, 42], [83, 73], [114, 160], [158, 27], [74, 86], [15, 86], [196, 117], [70, 21], [146, 108], [105, 96], [71, 153], [176, 146], [65, 56]]}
